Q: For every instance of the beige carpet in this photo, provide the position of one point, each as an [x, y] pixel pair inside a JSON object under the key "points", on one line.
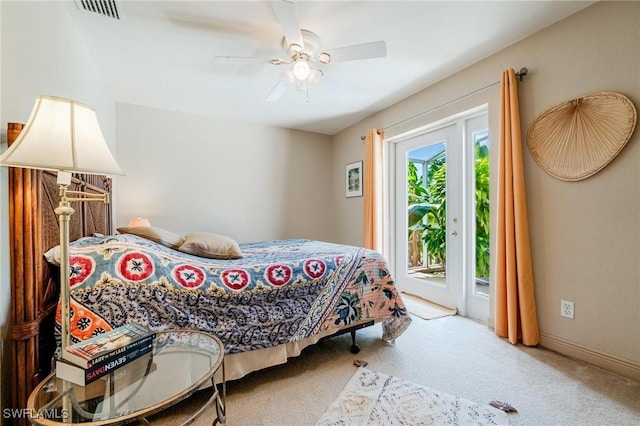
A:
{"points": [[453, 355], [425, 309]]}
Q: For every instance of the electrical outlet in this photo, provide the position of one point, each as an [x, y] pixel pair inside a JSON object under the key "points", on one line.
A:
{"points": [[566, 309]]}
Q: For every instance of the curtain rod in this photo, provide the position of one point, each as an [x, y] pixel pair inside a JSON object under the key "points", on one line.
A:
{"points": [[520, 74]]}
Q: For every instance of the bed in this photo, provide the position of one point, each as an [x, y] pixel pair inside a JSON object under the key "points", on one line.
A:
{"points": [[332, 288], [265, 306]]}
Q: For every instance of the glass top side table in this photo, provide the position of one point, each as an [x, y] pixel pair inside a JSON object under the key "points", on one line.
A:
{"points": [[179, 364]]}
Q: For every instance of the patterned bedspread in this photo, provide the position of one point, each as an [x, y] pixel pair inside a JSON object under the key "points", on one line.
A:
{"points": [[279, 292]]}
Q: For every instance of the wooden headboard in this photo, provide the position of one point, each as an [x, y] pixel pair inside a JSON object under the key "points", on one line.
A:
{"points": [[33, 196]]}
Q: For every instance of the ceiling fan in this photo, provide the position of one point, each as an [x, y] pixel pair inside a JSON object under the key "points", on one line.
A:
{"points": [[305, 56]]}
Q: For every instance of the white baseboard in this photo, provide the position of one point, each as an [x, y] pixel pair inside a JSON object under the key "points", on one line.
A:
{"points": [[619, 365], [624, 367]]}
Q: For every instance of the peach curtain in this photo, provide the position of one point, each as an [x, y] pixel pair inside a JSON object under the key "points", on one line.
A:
{"points": [[372, 190], [515, 305]]}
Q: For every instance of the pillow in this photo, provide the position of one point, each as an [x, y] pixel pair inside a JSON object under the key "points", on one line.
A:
{"points": [[159, 235], [212, 246], [53, 255]]}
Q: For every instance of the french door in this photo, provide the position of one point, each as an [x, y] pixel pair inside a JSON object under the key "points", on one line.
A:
{"points": [[427, 194], [436, 202]]}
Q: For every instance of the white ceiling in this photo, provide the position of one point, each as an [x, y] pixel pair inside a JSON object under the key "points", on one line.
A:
{"points": [[163, 53]]}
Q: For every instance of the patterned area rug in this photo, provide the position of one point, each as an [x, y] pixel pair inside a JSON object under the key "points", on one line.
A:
{"points": [[372, 398]]}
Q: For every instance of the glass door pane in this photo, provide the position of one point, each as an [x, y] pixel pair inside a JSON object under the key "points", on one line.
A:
{"points": [[427, 213]]}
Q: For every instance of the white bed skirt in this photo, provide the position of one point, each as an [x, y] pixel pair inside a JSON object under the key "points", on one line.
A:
{"points": [[240, 364]]}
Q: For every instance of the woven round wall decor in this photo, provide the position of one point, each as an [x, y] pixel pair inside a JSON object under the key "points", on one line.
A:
{"points": [[576, 139]]}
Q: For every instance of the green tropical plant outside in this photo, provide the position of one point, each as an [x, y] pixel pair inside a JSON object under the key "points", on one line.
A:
{"points": [[482, 211], [427, 208]]}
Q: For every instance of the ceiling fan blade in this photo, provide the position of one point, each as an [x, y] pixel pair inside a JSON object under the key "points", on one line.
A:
{"points": [[240, 59], [277, 91], [374, 49], [286, 14]]}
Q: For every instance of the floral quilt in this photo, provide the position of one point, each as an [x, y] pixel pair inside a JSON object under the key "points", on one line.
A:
{"points": [[280, 291]]}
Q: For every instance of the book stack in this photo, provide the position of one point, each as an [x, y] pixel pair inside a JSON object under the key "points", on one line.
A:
{"points": [[89, 360]]}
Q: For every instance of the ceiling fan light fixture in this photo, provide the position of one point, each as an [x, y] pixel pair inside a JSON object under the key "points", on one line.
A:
{"points": [[287, 77], [315, 75], [301, 69]]}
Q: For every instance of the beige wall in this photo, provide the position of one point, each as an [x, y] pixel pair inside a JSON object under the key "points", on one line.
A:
{"points": [[191, 173], [585, 235]]}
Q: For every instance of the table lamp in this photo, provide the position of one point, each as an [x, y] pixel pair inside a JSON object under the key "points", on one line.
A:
{"points": [[63, 135], [139, 221]]}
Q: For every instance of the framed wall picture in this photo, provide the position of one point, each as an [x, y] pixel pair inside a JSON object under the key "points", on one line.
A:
{"points": [[353, 179]]}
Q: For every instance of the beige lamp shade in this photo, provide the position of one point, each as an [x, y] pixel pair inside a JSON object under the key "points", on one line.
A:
{"points": [[62, 135], [578, 138], [139, 221]]}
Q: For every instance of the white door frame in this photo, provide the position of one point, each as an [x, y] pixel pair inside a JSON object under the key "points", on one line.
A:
{"points": [[390, 214], [476, 305]]}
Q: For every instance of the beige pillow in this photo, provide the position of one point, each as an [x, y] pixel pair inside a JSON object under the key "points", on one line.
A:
{"points": [[159, 235], [212, 246]]}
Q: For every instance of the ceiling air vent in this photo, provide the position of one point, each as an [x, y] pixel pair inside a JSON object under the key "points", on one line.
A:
{"points": [[102, 7]]}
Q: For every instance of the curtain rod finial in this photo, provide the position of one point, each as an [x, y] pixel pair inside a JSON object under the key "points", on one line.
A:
{"points": [[523, 71]]}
